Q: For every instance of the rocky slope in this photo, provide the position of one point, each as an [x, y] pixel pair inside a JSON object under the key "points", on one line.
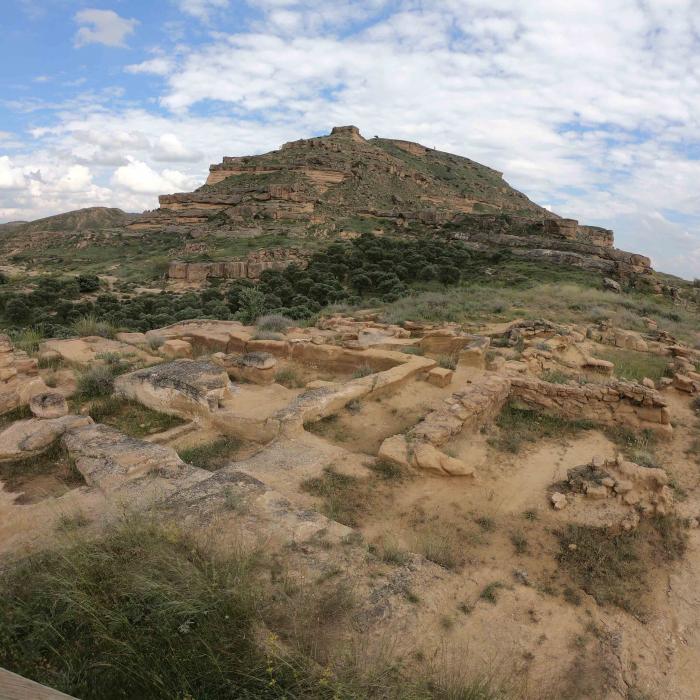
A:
{"points": [[343, 184]]}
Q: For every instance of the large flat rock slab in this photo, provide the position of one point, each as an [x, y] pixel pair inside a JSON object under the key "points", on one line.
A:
{"points": [[87, 351], [107, 458], [28, 438]]}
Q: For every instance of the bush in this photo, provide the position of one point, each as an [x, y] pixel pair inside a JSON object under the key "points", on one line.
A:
{"points": [[275, 323], [88, 283], [95, 382], [252, 305]]}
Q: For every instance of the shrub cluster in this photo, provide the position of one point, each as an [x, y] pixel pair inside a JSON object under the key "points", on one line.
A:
{"points": [[370, 267]]}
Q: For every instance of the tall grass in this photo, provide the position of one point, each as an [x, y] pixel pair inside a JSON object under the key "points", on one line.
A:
{"points": [[90, 325], [146, 610]]}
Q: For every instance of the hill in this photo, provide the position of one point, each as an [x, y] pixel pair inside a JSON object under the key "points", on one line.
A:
{"points": [[89, 219], [344, 185]]}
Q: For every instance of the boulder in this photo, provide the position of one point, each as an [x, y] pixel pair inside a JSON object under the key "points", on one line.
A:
{"points": [[28, 438], [683, 382], [50, 404], [107, 458], [183, 387], [612, 285]]}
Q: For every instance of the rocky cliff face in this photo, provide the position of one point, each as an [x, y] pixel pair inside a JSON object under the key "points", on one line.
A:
{"points": [[343, 183]]}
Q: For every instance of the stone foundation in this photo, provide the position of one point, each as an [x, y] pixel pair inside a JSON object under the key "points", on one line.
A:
{"points": [[618, 403]]}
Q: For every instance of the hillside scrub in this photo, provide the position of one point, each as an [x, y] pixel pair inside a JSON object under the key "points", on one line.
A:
{"points": [[421, 278]]}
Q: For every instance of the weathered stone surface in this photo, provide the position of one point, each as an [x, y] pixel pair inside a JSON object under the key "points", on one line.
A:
{"points": [[28, 438], [683, 382], [107, 458], [49, 405], [440, 376], [255, 367], [183, 387], [175, 349]]}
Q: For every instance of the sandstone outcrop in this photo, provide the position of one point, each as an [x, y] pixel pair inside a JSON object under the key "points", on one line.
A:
{"points": [[248, 268], [107, 458], [19, 377]]}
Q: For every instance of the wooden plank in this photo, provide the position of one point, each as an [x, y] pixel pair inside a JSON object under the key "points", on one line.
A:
{"points": [[14, 687]]}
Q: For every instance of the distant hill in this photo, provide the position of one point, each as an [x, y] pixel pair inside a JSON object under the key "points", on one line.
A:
{"points": [[11, 225], [89, 219]]}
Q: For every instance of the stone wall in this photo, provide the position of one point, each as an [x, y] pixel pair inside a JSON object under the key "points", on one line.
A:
{"points": [[250, 268], [618, 403]]}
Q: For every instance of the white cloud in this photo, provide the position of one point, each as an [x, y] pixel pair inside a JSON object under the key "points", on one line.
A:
{"points": [[11, 178], [140, 178], [171, 149], [202, 9], [77, 179], [155, 66], [103, 27]]}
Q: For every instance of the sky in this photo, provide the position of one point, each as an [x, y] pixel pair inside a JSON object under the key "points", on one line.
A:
{"points": [[590, 107]]}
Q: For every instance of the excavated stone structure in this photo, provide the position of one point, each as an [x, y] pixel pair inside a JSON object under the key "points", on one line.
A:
{"points": [[474, 406], [616, 403]]}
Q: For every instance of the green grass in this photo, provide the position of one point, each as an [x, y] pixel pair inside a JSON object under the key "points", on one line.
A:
{"points": [[362, 371], [91, 325], [212, 455], [95, 382], [20, 413], [555, 376], [638, 446], [28, 339], [614, 567], [517, 427], [448, 361], [490, 592], [144, 612], [444, 548], [131, 417], [344, 497], [633, 365], [289, 378], [147, 610]]}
